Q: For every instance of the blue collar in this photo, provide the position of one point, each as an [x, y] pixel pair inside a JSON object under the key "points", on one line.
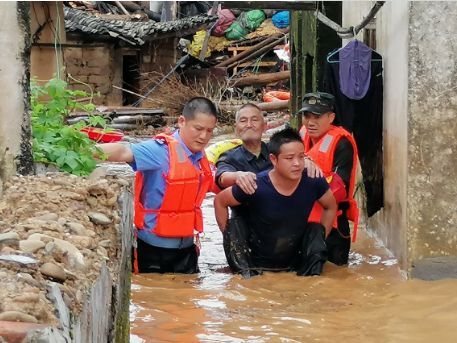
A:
{"points": [[193, 156]]}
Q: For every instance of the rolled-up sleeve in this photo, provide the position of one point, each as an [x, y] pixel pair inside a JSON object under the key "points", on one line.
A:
{"points": [[224, 165]]}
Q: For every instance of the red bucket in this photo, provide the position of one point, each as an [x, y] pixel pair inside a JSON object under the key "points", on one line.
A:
{"points": [[98, 135]]}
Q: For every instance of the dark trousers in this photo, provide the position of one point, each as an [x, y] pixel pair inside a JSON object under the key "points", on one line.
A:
{"points": [[310, 257], [153, 259], [339, 242]]}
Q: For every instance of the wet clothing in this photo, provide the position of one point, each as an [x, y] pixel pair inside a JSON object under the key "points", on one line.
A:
{"points": [[363, 118], [339, 239], [152, 159], [308, 260], [164, 260], [277, 223], [240, 159]]}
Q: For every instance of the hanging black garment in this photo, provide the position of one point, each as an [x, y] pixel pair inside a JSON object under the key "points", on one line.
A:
{"points": [[364, 119]]}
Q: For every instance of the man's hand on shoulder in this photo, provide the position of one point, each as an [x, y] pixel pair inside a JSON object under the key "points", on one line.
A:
{"points": [[247, 181], [312, 169]]}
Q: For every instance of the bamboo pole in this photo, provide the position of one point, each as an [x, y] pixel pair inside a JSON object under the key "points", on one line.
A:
{"points": [[258, 52]]}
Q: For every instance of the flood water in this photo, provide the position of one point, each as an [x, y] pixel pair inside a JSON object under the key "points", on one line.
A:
{"points": [[367, 301]]}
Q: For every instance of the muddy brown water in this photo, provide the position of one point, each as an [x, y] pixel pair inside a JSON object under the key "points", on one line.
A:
{"points": [[367, 301]]}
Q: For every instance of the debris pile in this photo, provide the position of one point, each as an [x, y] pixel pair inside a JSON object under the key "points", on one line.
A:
{"points": [[55, 229]]}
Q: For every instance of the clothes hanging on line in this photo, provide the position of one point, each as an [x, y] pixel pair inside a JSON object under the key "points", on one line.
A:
{"points": [[353, 74]]}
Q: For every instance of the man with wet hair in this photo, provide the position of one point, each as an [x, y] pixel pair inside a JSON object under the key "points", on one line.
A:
{"points": [[279, 236], [172, 178]]}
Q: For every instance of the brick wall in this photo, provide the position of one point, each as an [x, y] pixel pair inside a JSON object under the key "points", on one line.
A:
{"points": [[94, 68]]}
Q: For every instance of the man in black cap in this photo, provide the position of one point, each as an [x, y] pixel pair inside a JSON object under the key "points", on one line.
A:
{"points": [[334, 150]]}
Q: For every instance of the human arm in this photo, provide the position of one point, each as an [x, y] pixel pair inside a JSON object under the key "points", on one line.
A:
{"points": [[245, 180], [116, 152], [222, 202], [328, 203], [231, 172], [343, 161]]}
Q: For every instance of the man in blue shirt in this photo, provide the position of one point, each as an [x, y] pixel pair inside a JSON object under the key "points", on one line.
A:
{"points": [[168, 253], [279, 236]]}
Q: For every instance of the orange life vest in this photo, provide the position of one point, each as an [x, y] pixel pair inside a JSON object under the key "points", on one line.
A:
{"points": [[323, 153], [185, 190]]}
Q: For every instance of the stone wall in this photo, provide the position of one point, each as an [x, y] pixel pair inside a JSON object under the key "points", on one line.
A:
{"points": [[65, 252]]}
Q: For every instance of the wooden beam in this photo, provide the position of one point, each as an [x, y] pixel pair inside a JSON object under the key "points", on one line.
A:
{"points": [[208, 33], [273, 5], [264, 106], [261, 79]]}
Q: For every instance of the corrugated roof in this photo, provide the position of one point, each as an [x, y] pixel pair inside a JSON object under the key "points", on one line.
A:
{"points": [[135, 33]]}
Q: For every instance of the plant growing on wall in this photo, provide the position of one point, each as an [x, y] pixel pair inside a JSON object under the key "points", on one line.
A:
{"points": [[54, 142]]}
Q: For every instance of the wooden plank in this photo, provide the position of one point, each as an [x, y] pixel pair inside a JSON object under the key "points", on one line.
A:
{"points": [[208, 33]]}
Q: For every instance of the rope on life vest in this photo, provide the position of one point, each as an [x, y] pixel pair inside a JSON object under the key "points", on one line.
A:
{"points": [[135, 253]]}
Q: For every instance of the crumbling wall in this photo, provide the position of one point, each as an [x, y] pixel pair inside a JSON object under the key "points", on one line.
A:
{"points": [[65, 251], [95, 69]]}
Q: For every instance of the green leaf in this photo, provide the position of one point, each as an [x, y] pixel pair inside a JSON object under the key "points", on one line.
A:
{"points": [[53, 141]]}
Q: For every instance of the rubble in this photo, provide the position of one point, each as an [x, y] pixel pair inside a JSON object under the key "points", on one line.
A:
{"points": [[55, 230]]}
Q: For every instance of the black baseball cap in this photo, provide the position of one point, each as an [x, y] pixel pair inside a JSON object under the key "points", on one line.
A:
{"points": [[317, 103]]}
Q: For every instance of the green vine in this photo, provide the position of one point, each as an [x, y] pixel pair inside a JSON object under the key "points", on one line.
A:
{"points": [[54, 142]]}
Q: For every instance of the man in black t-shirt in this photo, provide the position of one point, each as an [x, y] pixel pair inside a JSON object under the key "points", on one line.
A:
{"points": [[279, 236]]}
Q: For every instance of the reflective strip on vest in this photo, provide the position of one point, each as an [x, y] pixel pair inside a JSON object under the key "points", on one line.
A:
{"points": [[323, 154], [326, 141]]}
